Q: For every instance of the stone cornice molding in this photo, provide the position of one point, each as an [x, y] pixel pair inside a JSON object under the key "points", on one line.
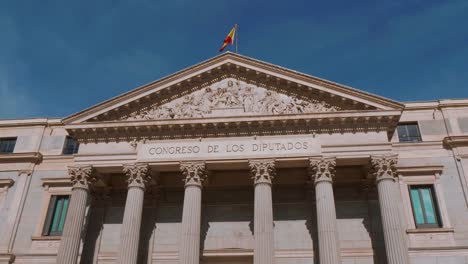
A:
{"points": [[6, 183], [322, 169], [30, 122], [333, 122], [24, 157], [82, 177], [420, 170], [138, 175], [194, 173], [456, 141], [262, 170], [59, 182], [384, 167]]}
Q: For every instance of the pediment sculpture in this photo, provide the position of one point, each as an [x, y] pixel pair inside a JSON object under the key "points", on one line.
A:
{"points": [[231, 97]]}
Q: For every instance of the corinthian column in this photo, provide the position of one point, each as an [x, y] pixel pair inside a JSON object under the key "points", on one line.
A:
{"points": [[263, 171], [82, 179], [137, 179], [384, 169], [322, 172], [194, 174]]}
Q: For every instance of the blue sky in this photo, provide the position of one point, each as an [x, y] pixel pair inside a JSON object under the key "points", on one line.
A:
{"points": [[58, 57]]}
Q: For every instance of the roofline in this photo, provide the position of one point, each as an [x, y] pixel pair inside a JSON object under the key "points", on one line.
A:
{"points": [[218, 58], [30, 122], [141, 87]]}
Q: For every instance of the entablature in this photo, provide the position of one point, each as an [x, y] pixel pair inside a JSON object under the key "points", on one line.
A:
{"points": [[317, 123]]}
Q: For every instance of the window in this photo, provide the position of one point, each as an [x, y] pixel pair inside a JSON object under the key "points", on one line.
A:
{"points": [[424, 206], [56, 214], [71, 146], [409, 132], [7, 145]]}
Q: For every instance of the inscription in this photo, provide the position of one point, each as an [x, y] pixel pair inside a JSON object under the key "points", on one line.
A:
{"points": [[228, 148]]}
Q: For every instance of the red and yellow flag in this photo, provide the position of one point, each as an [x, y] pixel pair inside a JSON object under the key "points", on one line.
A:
{"points": [[229, 38]]}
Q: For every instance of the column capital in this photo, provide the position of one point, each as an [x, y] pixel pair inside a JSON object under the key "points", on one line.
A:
{"points": [[262, 170], [137, 175], [322, 169], [194, 172], [82, 177], [383, 167]]}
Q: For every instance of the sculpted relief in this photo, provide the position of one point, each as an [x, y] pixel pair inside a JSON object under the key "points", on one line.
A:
{"points": [[231, 97]]}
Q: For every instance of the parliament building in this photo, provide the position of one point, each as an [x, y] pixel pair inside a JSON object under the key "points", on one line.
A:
{"points": [[238, 161]]}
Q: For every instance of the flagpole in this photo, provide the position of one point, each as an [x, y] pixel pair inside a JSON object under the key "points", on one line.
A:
{"points": [[237, 37]]}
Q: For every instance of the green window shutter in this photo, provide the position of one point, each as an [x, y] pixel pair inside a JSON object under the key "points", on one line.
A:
{"points": [[424, 206], [64, 214], [56, 215], [417, 207], [56, 219], [428, 206], [50, 212]]}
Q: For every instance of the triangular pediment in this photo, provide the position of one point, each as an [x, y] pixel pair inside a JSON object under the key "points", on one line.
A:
{"points": [[232, 85], [232, 97]]}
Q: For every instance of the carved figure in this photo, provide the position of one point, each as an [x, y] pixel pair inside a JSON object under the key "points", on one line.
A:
{"points": [[254, 100]]}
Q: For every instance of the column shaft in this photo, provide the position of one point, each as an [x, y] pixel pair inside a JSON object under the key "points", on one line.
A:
{"points": [[384, 170], [82, 179], [329, 250], [71, 236], [194, 174], [395, 242], [262, 172], [191, 218], [138, 177], [130, 234], [322, 172], [264, 252]]}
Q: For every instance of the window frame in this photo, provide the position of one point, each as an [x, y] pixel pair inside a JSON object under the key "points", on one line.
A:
{"points": [[435, 204], [76, 147], [419, 136], [52, 186], [423, 175], [50, 215], [5, 139]]}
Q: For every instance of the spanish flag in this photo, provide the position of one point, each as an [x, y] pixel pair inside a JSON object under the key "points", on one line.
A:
{"points": [[229, 38]]}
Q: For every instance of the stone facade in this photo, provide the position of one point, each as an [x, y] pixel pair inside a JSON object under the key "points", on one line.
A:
{"points": [[235, 160]]}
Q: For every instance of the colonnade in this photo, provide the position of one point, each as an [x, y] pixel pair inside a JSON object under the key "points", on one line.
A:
{"points": [[322, 172]]}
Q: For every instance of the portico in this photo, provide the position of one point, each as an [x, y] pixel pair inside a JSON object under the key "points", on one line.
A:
{"points": [[319, 171], [237, 151]]}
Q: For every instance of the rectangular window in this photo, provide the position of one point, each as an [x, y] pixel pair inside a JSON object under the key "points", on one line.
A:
{"points": [[56, 214], [71, 146], [7, 145], [424, 206], [409, 132]]}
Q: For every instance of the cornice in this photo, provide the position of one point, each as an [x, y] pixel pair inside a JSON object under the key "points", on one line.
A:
{"points": [[420, 170], [332, 122], [6, 182], [32, 157], [63, 181], [420, 144], [29, 122], [456, 141]]}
